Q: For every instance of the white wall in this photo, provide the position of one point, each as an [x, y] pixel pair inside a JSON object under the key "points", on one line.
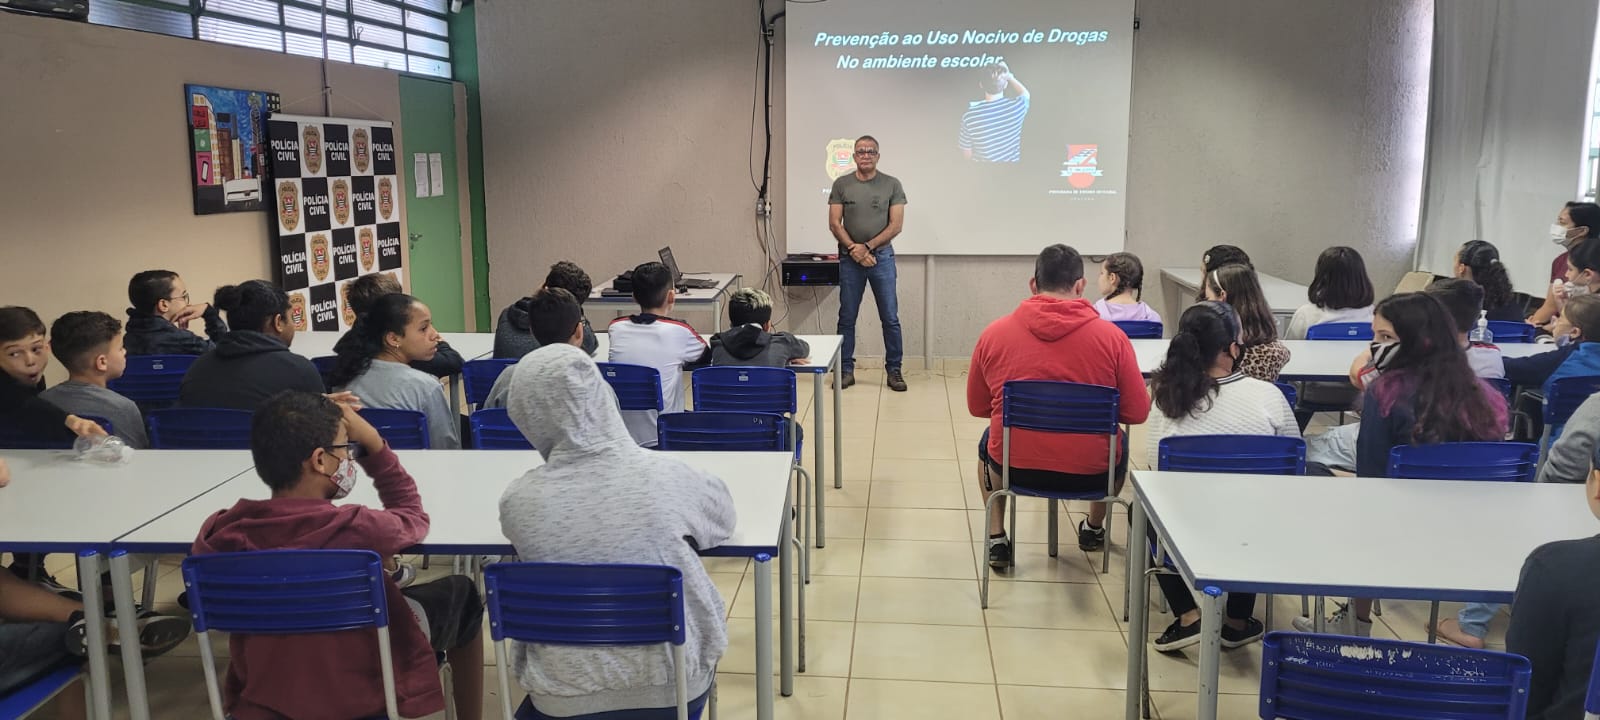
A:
{"points": [[614, 128]]}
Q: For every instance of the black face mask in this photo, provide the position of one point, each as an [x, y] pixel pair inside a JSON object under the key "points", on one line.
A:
{"points": [[1238, 356]]}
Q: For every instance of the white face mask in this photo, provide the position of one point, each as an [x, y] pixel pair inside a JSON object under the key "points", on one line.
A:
{"points": [[344, 479], [1558, 234]]}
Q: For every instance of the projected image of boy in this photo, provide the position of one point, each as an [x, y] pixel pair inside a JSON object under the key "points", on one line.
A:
{"points": [[991, 128]]}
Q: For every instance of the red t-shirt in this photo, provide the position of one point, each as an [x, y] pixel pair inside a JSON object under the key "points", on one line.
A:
{"points": [[1050, 339], [1558, 267]]}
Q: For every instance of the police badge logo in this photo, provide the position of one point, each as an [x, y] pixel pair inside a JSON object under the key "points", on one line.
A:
{"points": [[841, 158], [361, 149], [288, 206], [319, 256], [346, 312], [311, 148], [369, 253], [385, 198], [297, 311], [341, 201]]}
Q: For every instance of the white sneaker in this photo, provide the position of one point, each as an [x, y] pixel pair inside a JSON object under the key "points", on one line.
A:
{"points": [[1341, 622]]}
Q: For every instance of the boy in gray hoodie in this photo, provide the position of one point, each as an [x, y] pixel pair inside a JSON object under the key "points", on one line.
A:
{"points": [[659, 511], [750, 341]]}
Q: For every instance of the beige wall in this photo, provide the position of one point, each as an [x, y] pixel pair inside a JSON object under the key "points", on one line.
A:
{"points": [[95, 178]]}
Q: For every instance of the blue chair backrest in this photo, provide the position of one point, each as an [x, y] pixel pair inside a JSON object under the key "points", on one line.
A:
{"points": [[23, 700], [722, 431], [324, 365], [1247, 454], [1060, 407], [1507, 331], [1139, 329], [1289, 393], [492, 429], [1502, 461], [199, 429], [1591, 701], [152, 381], [289, 592], [1340, 331], [403, 429], [1564, 395], [16, 437], [1318, 677], [751, 389], [1504, 386], [479, 375], [637, 387]]}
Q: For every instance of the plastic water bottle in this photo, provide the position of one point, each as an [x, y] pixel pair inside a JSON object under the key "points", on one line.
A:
{"points": [[107, 449], [1480, 333]]}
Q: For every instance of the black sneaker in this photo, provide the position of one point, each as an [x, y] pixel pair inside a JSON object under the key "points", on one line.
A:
{"points": [[1178, 637], [1090, 539], [846, 379], [1000, 555], [158, 634], [1251, 632], [897, 382]]}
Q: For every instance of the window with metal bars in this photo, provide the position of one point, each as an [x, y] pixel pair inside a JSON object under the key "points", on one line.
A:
{"points": [[405, 35]]}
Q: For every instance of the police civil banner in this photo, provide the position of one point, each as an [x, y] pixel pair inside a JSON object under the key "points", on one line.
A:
{"points": [[335, 194]]}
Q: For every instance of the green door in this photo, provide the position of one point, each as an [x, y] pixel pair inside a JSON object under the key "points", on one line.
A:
{"points": [[428, 127]]}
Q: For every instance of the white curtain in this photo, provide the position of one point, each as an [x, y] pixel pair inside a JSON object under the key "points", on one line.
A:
{"points": [[1510, 83]]}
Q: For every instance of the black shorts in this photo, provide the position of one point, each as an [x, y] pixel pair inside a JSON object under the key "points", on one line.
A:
{"points": [[450, 610], [1048, 480]]}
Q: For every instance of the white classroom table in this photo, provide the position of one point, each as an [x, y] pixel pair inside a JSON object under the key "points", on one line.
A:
{"points": [[471, 346], [709, 299], [461, 491], [1313, 359], [824, 360], [57, 504], [1416, 540], [1282, 296]]}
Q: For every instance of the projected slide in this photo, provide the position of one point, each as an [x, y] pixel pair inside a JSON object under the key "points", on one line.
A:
{"points": [[1006, 121]]}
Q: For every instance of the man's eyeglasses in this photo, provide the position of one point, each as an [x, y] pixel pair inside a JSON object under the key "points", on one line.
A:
{"points": [[866, 152], [184, 297], [352, 450]]}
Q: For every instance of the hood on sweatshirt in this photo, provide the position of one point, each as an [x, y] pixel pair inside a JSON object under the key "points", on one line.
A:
{"points": [[560, 402], [241, 343], [517, 314], [745, 341], [1051, 319]]}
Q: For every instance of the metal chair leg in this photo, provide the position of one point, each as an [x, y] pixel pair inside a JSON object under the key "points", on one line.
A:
{"points": [[988, 507], [1055, 525], [1433, 622], [152, 574], [1377, 607]]}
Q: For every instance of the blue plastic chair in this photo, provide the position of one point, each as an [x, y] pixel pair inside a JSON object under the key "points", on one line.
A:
{"points": [[1562, 398], [1501, 461], [1506, 331], [492, 429], [637, 387], [590, 605], [199, 429], [479, 376], [750, 389], [1324, 677], [27, 699], [1054, 407], [1140, 329], [1591, 701], [288, 592], [1340, 331], [324, 365], [15, 437], [1289, 393], [402, 429], [722, 432], [152, 381], [1240, 454], [1504, 386]]}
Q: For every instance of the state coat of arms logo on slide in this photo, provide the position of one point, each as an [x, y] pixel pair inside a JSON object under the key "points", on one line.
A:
{"points": [[841, 158], [1082, 165]]}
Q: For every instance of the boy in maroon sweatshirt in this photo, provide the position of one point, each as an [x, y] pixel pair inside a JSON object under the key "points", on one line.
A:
{"points": [[305, 448]]}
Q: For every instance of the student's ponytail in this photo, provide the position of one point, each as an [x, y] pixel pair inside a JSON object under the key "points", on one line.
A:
{"points": [[1487, 271], [1129, 272], [1183, 385], [251, 305], [356, 350]]}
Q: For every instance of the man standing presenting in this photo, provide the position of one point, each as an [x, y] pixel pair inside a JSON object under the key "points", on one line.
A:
{"points": [[865, 212]]}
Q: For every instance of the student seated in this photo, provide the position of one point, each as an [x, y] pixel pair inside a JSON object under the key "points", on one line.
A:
{"points": [[1576, 224], [1215, 257], [306, 448], [1054, 335], [89, 346], [1340, 292], [556, 320], [363, 291], [750, 340], [375, 365], [1121, 284], [1555, 621], [41, 631], [161, 313], [1263, 356], [513, 334], [251, 362], [658, 511], [653, 339], [1567, 461], [24, 354], [1479, 262], [1425, 393], [1198, 390]]}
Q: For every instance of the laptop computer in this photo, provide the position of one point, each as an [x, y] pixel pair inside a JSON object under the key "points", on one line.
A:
{"points": [[678, 280]]}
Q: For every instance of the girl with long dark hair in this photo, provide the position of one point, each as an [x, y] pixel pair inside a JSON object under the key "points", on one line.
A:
{"points": [[375, 364], [1264, 356], [1479, 262], [1340, 292]]}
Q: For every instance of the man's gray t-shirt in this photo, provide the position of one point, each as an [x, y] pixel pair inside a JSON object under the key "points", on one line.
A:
{"points": [[866, 204], [80, 398]]}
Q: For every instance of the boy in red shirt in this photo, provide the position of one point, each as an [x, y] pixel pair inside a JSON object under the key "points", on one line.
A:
{"points": [[305, 448], [1054, 335]]}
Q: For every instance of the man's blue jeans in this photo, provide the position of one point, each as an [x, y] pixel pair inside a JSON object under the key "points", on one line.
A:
{"points": [[1474, 618], [853, 280]]}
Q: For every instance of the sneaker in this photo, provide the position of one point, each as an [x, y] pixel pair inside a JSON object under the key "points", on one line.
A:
{"points": [[158, 634], [1000, 555], [1177, 637], [846, 379], [404, 575], [1251, 632], [897, 382], [1090, 538]]}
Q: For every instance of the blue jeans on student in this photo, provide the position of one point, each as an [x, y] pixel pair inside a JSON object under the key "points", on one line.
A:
{"points": [[1474, 618], [853, 280]]}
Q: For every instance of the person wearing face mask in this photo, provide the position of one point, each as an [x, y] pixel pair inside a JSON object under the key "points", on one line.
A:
{"points": [[306, 449], [1575, 224], [1198, 390], [375, 363]]}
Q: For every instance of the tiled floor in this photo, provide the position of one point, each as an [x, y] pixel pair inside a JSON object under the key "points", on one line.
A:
{"points": [[895, 629]]}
